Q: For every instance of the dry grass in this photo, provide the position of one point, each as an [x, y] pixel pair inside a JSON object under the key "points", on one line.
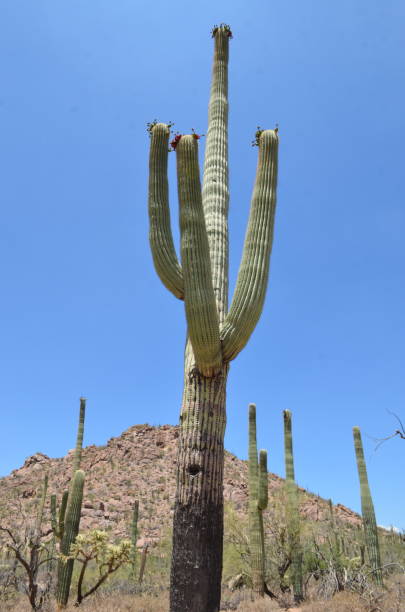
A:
{"points": [[390, 600]]}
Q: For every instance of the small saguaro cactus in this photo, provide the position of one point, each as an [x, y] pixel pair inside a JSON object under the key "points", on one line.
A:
{"points": [[367, 511], [67, 526], [215, 335], [134, 537], [258, 499], [292, 512], [72, 522]]}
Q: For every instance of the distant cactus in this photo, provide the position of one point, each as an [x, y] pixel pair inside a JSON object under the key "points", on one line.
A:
{"points": [[292, 512], [72, 523], [367, 510], [134, 537], [67, 527], [258, 499], [79, 439]]}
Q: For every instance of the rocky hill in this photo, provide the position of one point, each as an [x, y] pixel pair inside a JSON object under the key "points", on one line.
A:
{"points": [[139, 464]]}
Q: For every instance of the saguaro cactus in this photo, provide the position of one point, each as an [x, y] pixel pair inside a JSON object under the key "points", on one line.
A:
{"points": [[292, 511], [134, 537], [72, 522], [67, 527], [367, 510], [215, 336], [258, 498]]}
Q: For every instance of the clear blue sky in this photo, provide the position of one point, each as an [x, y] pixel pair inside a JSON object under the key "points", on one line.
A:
{"points": [[82, 311]]}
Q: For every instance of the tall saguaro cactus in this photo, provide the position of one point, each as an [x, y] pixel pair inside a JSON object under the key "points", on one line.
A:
{"points": [[258, 498], [292, 511], [67, 527], [215, 335], [367, 510]]}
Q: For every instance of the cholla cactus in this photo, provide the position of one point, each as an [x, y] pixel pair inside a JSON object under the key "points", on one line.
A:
{"points": [[367, 510], [94, 546], [215, 335], [258, 498], [292, 512]]}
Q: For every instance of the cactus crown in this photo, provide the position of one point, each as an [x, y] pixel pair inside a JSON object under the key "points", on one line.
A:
{"points": [[224, 27]]}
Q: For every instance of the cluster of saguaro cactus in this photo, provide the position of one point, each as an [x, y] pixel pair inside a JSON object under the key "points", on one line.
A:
{"points": [[215, 336], [292, 512], [67, 527], [258, 498], [367, 510]]}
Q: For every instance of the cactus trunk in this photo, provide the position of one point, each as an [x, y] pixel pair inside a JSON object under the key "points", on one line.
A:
{"points": [[198, 515], [367, 510], [215, 336], [292, 512]]}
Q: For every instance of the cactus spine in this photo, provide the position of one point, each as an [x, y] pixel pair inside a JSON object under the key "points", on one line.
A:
{"points": [[367, 510], [258, 498], [215, 336], [69, 517], [292, 512]]}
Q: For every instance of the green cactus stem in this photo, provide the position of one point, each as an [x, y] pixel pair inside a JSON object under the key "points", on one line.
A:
{"points": [[258, 499], [40, 514], [134, 537], [292, 512], [72, 523], [367, 510], [215, 336], [58, 525], [79, 439], [67, 527]]}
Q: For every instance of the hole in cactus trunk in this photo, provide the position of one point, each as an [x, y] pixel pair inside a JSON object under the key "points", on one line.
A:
{"points": [[193, 470]]}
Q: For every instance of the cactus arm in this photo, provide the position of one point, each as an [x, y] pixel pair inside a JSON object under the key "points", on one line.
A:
{"points": [[199, 298], [215, 193], [160, 234], [62, 513], [79, 439], [248, 299], [367, 510], [263, 481], [73, 511]]}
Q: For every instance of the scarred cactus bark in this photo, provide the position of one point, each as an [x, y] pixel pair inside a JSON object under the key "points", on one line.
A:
{"points": [[258, 498], [367, 510], [215, 336]]}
